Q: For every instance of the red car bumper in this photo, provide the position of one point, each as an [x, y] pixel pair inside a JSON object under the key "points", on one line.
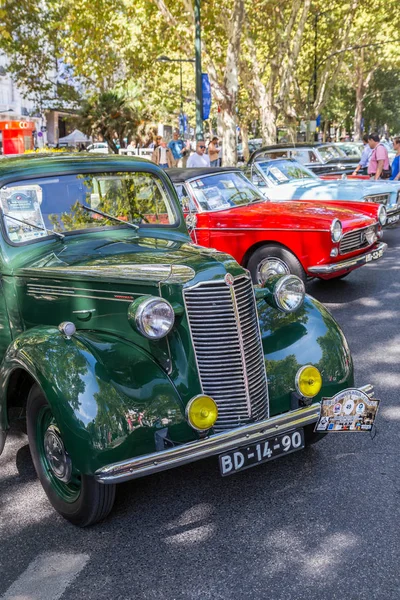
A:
{"points": [[329, 271]]}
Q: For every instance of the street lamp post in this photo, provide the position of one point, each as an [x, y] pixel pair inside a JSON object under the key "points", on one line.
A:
{"points": [[166, 59], [199, 90]]}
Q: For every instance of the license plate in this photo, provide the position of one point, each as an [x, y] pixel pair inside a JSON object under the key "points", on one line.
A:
{"points": [[393, 219], [373, 255], [254, 454]]}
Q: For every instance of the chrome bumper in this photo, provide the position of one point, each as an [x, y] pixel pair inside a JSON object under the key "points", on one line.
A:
{"points": [[215, 444], [349, 263]]}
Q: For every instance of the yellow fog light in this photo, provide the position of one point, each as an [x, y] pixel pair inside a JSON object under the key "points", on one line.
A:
{"points": [[201, 412], [308, 381]]}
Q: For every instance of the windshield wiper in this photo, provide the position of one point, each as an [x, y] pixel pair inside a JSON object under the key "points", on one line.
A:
{"points": [[50, 231], [106, 216]]}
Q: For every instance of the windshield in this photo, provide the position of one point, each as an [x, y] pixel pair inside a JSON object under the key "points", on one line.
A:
{"points": [[284, 171], [224, 190], [329, 152], [57, 203]]}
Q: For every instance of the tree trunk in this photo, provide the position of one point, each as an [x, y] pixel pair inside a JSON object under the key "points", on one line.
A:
{"points": [[268, 124], [228, 122], [245, 141]]}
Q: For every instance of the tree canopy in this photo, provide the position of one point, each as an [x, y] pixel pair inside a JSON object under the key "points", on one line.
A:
{"points": [[271, 63]]}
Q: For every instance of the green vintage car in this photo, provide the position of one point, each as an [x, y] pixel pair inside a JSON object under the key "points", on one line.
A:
{"points": [[131, 350]]}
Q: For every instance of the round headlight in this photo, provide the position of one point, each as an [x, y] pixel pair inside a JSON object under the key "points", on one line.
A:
{"points": [[382, 215], [152, 317], [289, 293], [308, 381], [201, 412], [336, 231]]}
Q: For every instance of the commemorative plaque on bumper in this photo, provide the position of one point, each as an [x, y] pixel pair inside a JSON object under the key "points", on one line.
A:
{"points": [[350, 410]]}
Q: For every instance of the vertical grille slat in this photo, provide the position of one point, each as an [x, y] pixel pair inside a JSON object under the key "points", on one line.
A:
{"points": [[227, 343]]}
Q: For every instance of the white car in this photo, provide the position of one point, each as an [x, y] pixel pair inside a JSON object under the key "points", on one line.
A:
{"points": [[99, 148], [287, 179]]}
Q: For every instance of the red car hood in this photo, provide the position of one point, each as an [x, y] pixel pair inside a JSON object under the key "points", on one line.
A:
{"points": [[291, 215]]}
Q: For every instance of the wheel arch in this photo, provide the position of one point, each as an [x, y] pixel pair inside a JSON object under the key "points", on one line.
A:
{"points": [[257, 245]]}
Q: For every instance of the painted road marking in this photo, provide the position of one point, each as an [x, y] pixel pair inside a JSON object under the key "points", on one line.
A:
{"points": [[47, 577]]}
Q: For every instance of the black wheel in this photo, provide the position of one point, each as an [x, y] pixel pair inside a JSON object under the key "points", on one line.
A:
{"points": [[311, 436], [77, 497], [274, 260]]}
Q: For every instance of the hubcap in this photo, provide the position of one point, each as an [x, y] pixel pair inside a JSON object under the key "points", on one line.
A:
{"points": [[271, 266], [57, 457]]}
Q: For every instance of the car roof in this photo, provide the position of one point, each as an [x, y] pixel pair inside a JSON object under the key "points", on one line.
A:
{"points": [[53, 163], [182, 175], [303, 145]]}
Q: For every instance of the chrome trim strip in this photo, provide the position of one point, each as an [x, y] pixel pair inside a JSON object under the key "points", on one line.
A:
{"points": [[151, 272], [46, 296], [346, 264], [63, 288], [214, 444]]}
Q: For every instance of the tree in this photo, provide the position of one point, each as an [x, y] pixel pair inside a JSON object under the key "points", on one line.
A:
{"points": [[109, 115]]}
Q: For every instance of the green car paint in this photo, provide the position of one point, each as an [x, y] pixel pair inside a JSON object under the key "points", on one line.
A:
{"points": [[113, 393]]}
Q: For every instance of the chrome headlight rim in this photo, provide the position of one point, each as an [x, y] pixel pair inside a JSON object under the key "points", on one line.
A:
{"points": [[283, 281], [137, 311], [297, 380], [188, 413], [335, 223], [382, 215]]}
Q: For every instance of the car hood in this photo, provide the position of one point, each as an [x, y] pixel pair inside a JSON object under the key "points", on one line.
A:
{"points": [[290, 215], [136, 259], [314, 189]]}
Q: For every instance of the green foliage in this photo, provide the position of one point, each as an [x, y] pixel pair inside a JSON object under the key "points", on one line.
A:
{"points": [[109, 115]]}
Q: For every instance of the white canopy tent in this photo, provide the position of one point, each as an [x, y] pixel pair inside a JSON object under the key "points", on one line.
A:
{"points": [[76, 137]]}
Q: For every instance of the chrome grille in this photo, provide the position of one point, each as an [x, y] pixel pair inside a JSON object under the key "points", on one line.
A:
{"points": [[354, 240], [226, 337], [380, 198]]}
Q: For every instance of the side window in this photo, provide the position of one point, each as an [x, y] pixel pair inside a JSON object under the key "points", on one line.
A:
{"points": [[254, 177], [303, 156]]}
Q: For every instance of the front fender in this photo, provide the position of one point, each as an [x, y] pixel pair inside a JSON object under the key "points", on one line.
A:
{"points": [[307, 336], [110, 399]]}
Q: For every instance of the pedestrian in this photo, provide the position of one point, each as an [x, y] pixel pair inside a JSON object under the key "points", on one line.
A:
{"points": [[365, 156], [379, 166], [396, 161], [213, 152], [178, 149], [199, 158], [162, 155]]}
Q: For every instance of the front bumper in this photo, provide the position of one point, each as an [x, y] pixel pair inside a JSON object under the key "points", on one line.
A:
{"points": [[214, 444], [393, 217], [350, 263]]}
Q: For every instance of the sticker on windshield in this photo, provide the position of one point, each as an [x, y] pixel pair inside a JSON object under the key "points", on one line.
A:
{"points": [[281, 177], [22, 215]]}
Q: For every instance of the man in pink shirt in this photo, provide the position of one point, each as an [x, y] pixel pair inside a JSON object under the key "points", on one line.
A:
{"points": [[378, 166]]}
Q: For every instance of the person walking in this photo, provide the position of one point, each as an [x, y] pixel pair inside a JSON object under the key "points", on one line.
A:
{"points": [[396, 161], [199, 158], [162, 155], [379, 166], [178, 148], [365, 156], [213, 152]]}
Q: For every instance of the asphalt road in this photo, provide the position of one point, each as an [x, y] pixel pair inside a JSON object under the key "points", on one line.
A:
{"points": [[318, 524]]}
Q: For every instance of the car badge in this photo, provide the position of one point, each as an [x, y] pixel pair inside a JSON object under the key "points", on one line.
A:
{"points": [[229, 280]]}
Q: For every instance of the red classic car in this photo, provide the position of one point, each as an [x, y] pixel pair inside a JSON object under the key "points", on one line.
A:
{"points": [[227, 212]]}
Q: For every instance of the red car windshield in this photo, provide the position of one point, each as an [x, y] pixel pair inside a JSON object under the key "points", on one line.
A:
{"points": [[224, 190]]}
